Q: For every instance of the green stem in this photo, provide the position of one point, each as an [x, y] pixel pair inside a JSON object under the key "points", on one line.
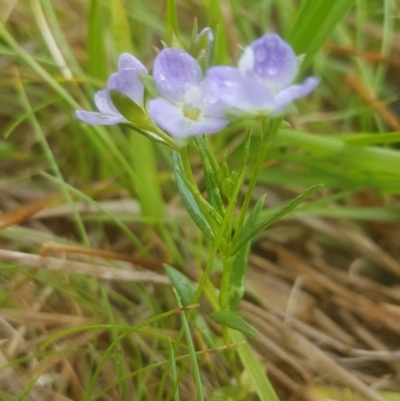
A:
{"points": [[224, 290], [268, 132]]}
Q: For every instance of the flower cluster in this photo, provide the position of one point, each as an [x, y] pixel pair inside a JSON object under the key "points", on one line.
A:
{"points": [[191, 103]]}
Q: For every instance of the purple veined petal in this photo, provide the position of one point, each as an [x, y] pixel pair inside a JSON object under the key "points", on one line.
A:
{"points": [[174, 72], [103, 102], [286, 96], [127, 61], [127, 82], [271, 60], [95, 118], [212, 105], [171, 119], [241, 93]]}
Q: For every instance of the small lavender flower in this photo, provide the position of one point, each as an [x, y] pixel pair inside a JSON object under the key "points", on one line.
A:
{"points": [[187, 104], [262, 83], [126, 81]]}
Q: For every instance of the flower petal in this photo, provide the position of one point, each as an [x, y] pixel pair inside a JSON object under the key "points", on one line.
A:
{"points": [[286, 96], [212, 105], [207, 125], [127, 61], [270, 60], [171, 119], [175, 71], [127, 82], [94, 118], [234, 90], [103, 103]]}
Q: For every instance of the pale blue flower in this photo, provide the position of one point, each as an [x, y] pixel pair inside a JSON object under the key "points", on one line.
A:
{"points": [[262, 83], [126, 81], [187, 104]]}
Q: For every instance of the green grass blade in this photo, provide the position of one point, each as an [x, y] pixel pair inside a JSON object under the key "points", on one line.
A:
{"points": [[171, 21], [173, 370], [371, 139], [372, 159], [122, 327], [192, 352], [120, 30], [221, 48], [41, 137], [118, 222], [97, 26], [314, 24]]}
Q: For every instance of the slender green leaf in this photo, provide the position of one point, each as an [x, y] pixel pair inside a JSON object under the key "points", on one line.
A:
{"points": [[186, 291], [210, 163], [254, 367], [213, 175], [233, 320], [189, 199], [239, 265], [276, 216], [211, 214]]}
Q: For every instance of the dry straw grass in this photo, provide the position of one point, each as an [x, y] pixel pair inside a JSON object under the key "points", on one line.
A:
{"points": [[324, 300]]}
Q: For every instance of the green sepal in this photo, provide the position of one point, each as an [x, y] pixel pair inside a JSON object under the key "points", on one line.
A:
{"points": [[202, 47], [131, 110], [189, 199], [176, 43], [276, 216], [239, 264], [148, 134], [225, 167], [233, 320], [195, 29], [186, 290], [139, 120]]}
